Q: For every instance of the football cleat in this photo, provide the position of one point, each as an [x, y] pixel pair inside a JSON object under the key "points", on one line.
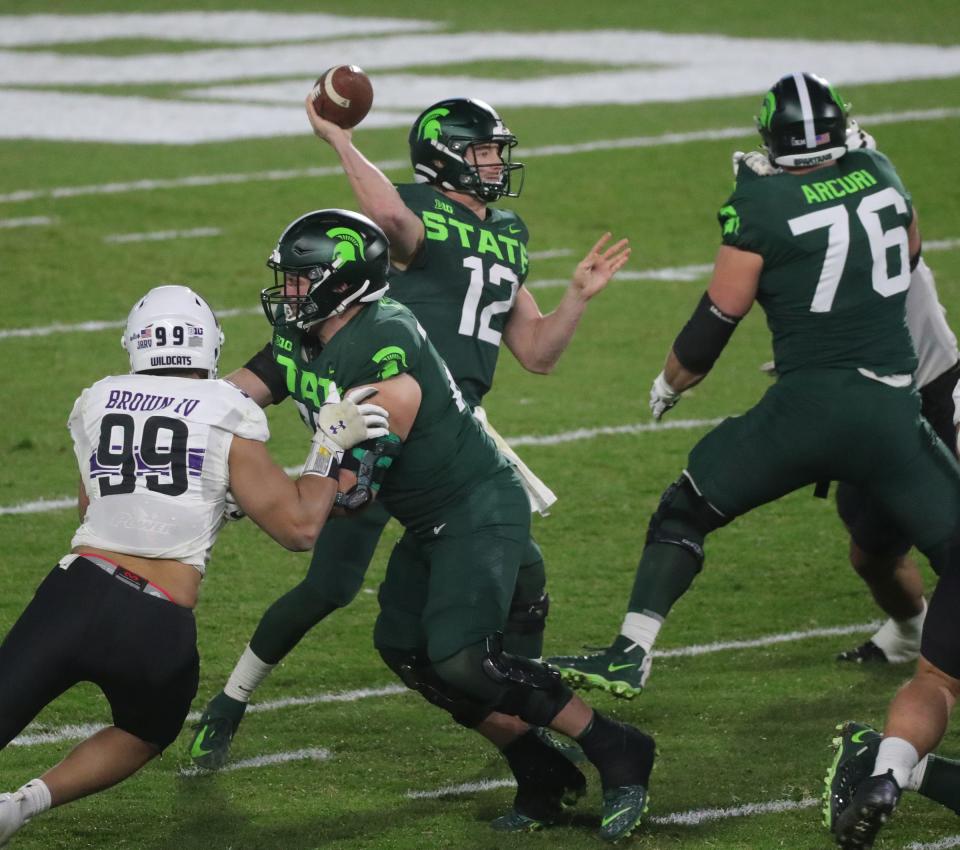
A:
{"points": [[210, 747], [855, 753], [621, 670], [546, 788], [873, 803], [11, 815], [623, 809], [867, 653]]}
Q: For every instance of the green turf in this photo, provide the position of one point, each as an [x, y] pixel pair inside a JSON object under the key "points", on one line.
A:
{"points": [[748, 726]]}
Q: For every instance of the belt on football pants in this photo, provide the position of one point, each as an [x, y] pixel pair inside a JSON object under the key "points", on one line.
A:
{"points": [[122, 574]]}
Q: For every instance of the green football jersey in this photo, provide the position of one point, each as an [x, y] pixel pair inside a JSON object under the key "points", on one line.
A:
{"points": [[446, 452], [836, 263], [463, 282]]}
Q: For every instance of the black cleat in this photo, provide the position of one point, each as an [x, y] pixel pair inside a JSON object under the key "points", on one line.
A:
{"points": [[867, 653], [873, 803], [855, 751]]}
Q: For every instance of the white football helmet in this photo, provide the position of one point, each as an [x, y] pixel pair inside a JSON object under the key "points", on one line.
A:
{"points": [[172, 327]]}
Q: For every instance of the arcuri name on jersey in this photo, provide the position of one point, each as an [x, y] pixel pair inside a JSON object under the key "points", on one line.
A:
{"points": [[126, 400], [836, 188], [441, 227]]}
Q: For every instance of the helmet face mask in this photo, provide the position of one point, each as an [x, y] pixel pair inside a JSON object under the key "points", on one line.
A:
{"points": [[323, 263], [803, 122], [172, 328], [440, 149]]}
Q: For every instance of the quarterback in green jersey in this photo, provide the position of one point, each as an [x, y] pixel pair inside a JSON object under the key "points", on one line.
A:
{"points": [[460, 265], [826, 248], [450, 581]]}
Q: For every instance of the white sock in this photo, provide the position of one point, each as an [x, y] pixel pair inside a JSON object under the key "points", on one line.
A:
{"points": [[897, 755], [916, 775], [36, 798], [247, 676], [642, 629], [900, 639]]}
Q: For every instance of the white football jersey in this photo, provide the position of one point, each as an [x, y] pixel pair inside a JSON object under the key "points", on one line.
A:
{"points": [[153, 454], [935, 344]]}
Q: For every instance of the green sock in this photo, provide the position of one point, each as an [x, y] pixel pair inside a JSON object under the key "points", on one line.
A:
{"points": [[663, 576], [941, 782]]}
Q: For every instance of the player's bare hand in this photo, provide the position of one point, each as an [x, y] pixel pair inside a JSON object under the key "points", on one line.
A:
{"points": [[596, 269], [323, 129]]}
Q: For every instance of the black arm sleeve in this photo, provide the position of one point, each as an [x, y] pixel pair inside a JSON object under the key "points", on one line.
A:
{"points": [[704, 336], [268, 370]]}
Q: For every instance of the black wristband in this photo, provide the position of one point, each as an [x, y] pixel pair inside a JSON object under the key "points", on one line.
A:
{"points": [[704, 336]]}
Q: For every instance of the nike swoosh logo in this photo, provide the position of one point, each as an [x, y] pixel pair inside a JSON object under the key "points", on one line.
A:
{"points": [[438, 528], [612, 668], [197, 749], [614, 816], [514, 229], [857, 738]]}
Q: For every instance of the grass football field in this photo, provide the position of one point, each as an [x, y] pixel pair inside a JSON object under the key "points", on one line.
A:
{"points": [[333, 754]]}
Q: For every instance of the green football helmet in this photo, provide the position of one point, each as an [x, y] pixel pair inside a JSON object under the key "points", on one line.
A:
{"points": [[344, 256], [439, 140], [803, 121]]}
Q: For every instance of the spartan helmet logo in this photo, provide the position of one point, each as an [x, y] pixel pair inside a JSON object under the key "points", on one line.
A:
{"points": [[767, 109], [348, 247], [429, 127]]}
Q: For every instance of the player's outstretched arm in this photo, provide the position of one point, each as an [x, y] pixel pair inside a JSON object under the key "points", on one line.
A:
{"points": [[537, 341], [376, 195], [729, 297], [294, 512]]}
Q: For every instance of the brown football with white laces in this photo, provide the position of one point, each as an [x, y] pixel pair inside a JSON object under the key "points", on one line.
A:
{"points": [[343, 95]]}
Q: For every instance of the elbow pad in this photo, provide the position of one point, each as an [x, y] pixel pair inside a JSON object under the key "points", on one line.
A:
{"points": [[704, 336]]}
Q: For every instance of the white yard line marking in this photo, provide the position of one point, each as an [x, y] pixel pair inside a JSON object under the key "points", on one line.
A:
{"points": [[460, 790], [679, 273], [609, 430], [942, 844], [390, 165], [161, 235], [550, 253], [30, 221], [73, 732], [311, 754], [43, 505], [769, 640], [692, 817], [96, 325], [695, 817]]}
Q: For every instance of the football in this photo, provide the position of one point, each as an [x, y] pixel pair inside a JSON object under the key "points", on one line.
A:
{"points": [[343, 95]]}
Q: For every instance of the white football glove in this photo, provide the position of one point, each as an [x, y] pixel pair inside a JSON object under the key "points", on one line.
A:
{"points": [[341, 425], [757, 161], [858, 138], [231, 510], [662, 397]]}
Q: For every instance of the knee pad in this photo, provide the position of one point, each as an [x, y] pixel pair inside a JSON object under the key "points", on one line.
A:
{"points": [[507, 683], [416, 672], [528, 617], [683, 518]]}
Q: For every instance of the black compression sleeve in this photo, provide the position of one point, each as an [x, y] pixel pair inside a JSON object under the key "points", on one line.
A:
{"points": [[268, 370], [915, 259], [704, 336]]}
